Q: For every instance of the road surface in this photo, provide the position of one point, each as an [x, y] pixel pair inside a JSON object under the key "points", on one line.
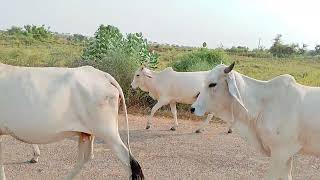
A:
{"points": [[163, 154]]}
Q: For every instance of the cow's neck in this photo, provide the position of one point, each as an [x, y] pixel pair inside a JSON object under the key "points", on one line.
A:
{"points": [[150, 85], [253, 93]]}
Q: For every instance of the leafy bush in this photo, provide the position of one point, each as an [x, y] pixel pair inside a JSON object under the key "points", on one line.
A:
{"points": [[31, 31], [108, 39], [78, 38], [120, 66], [120, 56], [198, 60]]}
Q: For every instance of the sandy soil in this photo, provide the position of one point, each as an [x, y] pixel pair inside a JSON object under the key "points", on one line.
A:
{"points": [[163, 154]]}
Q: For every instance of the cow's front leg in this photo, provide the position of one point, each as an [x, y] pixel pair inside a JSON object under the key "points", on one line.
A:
{"points": [[280, 167], [155, 108], [36, 153], [173, 108], [204, 124]]}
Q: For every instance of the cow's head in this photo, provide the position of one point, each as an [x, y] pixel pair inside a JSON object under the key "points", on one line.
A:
{"points": [[140, 77], [218, 92]]}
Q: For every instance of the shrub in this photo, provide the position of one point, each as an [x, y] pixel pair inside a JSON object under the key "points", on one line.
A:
{"points": [[40, 33], [198, 60], [120, 66], [120, 56], [108, 39]]}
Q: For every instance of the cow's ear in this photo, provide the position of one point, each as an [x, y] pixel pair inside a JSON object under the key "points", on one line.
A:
{"points": [[233, 89], [141, 67], [147, 73]]}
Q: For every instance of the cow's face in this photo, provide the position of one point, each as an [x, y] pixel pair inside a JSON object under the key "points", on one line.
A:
{"points": [[140, 78], [218, 91]]}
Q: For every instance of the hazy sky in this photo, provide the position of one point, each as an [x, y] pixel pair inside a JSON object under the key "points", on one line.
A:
{"points": [[183, 22]]}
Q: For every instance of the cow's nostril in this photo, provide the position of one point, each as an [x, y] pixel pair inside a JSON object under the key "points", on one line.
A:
{"points": [[192, 110]]}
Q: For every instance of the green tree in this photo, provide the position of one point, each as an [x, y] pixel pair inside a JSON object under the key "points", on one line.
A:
{"points": [[106, 39], [78, 38], [32, 32], [204, 44], [15, 30], [317, 49], [38, 33], [303, 49], [137, 46], [278, 49]]}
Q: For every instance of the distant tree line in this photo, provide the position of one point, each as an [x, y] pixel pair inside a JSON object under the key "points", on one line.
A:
{"points": [[278, 49], [29, 34]]}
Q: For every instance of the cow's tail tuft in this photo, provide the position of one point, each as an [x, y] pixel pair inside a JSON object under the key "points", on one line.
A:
{"points": [[136, 171]]}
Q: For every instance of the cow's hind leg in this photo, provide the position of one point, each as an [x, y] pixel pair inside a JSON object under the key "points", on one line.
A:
{"points": [[83, 154], [204, 124], [2, 174], [36, 153], [173, 108], [155, 108]]}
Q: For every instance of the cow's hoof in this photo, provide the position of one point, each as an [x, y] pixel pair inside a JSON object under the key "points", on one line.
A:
{"points": [[198, 131], [229, 131], [173, 129], [91, 156], [148, 127], [33, 161]]}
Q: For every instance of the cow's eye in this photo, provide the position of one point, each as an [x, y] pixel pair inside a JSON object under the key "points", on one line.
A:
{"points": [[212, 85], [138, 75]]}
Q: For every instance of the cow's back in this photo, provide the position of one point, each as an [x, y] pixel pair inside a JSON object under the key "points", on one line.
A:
{"points": [[181, 86], [297, 114], [34, 99]]}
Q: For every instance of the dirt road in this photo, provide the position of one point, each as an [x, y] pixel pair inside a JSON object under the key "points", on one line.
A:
{"points": [[163, 154]]}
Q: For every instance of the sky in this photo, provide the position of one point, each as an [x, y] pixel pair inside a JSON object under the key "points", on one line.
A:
{"points": [[183, 22]]}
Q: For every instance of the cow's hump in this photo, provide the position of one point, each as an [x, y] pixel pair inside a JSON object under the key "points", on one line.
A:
{"points": [[168, 69], [285, 79]]}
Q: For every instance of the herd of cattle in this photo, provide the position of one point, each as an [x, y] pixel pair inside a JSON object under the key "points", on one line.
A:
{"points": [[43, 105]]}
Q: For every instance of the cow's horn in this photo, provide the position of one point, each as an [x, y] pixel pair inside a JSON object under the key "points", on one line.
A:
{"points": [[229, 68]]}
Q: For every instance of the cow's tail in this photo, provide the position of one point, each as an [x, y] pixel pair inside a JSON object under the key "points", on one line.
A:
{"points": [[116, 84], [136, 171]]}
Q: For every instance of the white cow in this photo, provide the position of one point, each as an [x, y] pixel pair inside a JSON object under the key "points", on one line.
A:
{"points": [[170, 87], [279, 117], [45, 105]]}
